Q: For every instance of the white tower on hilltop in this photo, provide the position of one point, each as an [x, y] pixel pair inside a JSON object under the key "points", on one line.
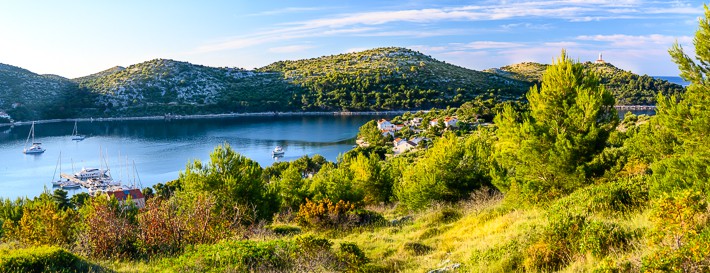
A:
{"points": [[600, 60]]}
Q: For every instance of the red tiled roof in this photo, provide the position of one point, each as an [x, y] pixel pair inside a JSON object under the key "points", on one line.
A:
{"points": [[123, 194]]}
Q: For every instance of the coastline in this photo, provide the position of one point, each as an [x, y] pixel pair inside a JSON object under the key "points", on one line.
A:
{"points": [[217, 116]]}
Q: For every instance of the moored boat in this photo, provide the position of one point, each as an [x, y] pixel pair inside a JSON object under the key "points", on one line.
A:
{"points": [[278, 152], [36, 147]]}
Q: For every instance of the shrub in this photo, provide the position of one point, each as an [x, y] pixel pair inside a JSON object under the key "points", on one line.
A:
{"points": [[351, 256], [285, 229], [447, 215], [681, 234], [417, 249], [41, 259], [612, 198], [568, 235], [325, 214]]}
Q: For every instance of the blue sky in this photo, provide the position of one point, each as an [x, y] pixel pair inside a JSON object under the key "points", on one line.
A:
{"points": [[77, 38]]}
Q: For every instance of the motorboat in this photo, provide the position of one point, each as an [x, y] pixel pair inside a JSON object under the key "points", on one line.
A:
{"points": [[278, 152], [90, 173], [36, 147]]}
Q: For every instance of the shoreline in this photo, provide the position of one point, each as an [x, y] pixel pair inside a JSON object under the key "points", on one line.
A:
{"points": [[217, 116]]}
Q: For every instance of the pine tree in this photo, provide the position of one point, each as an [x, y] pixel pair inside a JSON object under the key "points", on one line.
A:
{"points": [[682, 124], [546, 151]]}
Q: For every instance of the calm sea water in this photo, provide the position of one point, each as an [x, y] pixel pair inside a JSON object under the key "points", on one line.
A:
{"points": [[161, 149], [673, 79]]}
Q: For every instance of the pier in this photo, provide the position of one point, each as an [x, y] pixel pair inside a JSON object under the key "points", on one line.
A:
{"points": [[635, 107]]}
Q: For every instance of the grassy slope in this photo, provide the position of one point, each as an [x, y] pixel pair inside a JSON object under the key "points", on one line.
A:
{"points": [[487, 236]]}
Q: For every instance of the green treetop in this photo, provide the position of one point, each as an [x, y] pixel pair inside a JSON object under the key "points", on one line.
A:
{"points": [[548, 149]]}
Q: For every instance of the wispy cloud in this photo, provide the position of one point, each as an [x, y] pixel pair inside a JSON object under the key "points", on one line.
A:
{"points": [[287, 10], [621, 40], [290, 48], [389, 22]]}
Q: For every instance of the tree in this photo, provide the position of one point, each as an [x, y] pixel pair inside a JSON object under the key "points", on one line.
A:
{"points": [[232, 178], [370, 134], [546, 151], [449, 171], [682, 123]]}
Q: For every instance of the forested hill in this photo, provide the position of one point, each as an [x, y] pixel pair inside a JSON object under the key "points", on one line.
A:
{"points": [[25, 95], [166, 86], [627, 87], [390, 78]]}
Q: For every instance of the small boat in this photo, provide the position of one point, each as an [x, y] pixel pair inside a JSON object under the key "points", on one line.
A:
{"points": [[70, 185], [75, 134], [36, 147], [278, 152]]}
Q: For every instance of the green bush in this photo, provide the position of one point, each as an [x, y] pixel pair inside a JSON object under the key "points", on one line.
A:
{"points": [[285, 230], [416, 248], [351, 256], [41, 259], [447, 215], [612, 198]]}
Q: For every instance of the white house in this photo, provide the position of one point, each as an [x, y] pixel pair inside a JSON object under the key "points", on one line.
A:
{"points": [[384, 124], [402, 146], [451, 121]]}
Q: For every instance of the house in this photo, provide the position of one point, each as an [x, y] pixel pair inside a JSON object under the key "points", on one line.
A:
{"points": [[418, 140], [386, 133], [384, 124], [451, 121], [135, 194], [416, 122], [4, 115], [403, 146], [434, 122], [398, 127]]}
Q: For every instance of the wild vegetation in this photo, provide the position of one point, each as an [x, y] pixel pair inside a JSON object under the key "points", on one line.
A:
{"points": [[559, 184]]}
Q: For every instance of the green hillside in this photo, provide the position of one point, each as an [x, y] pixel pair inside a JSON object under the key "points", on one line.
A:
{"points": [[25, 95], [628, 88], [166, 86], [390, 78]]}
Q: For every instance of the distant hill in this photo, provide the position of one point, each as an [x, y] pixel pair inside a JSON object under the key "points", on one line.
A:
{"points": [[627, 87], [25, 95], [166, 86], [390, 78]]}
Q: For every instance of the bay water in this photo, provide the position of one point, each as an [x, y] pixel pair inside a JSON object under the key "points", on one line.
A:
{"points": [[160, 149]]}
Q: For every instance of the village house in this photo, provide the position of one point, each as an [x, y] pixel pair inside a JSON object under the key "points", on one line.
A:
{"points": [[448, 122], [415, 122], [384, 124], [402, 145], [135, 194]]}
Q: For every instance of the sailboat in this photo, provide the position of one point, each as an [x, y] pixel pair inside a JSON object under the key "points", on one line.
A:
{"points": [[63, 183], [75, 134], [36, 147]]}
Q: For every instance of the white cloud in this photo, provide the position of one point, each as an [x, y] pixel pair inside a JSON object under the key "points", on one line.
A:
{"points": [[388, 23], [290, 48], [622, 40], [491, 45]]}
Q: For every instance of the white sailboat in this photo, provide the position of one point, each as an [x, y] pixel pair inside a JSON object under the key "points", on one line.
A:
{"points": [[36, 147], [75, 134]]}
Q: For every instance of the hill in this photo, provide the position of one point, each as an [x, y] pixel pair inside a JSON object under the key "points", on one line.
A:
{"points": [[26, 95], [627, 87], [390, 78], [166, 86]]}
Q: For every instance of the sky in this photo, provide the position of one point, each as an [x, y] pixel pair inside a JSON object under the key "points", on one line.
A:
{"points": [[73, 38]]}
